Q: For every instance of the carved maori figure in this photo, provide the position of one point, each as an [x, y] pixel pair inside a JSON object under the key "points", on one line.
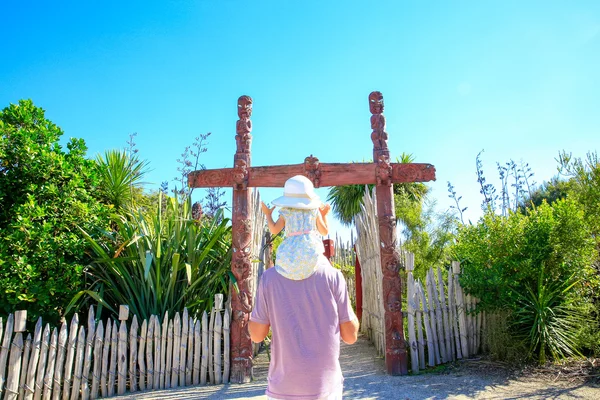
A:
{"points": [[391, 295], [244, 234], [241, 265], [243, 127], [379, 135], [312, 170], [240, 174], [384, 171], [414, 173]]}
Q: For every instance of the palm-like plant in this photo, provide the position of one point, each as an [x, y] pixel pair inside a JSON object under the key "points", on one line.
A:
{"points": [[346, 200], [121, 177], [156, 263]]}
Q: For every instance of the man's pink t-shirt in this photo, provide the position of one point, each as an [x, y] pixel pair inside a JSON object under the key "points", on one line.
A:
{"points": [[305, 318]]}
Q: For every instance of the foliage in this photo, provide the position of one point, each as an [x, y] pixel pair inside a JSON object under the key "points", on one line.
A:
{"points": [[346, 200], [545, 321], [585, 185], [503, 258], [189, 162], [156, 263], [121, 177], [501, 255], [430, 239], [46, 194], [548, 192]]}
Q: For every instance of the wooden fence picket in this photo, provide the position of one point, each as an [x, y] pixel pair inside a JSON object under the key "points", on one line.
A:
{"points": [[426, 322], [98, 344], [105, 359], [183, 346], [226, 346], [157, 350], [163, 350], [41, 369], [33, 361], [122, 359], [190, 351], [211, 332], [453, 314], [60, 359], [433, 318], [197, 353], [4, 351], [24, 364], [445, 318], [74, 328], [51, 363], [204, 363], [176, 350], [87, 362], [133, 347], [142, 355], [169, 363], [80, 349], [149, 352], [14, 363], [112, 369], [217, 347]]}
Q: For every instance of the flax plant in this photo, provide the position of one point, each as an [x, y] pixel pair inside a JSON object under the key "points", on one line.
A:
{"points": [[160, 261], [544, 320]]}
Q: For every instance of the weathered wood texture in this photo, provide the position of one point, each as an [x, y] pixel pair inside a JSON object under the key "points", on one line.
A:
{"points": [[435, 315], [332, 174], [80, 363], [367, 250]]}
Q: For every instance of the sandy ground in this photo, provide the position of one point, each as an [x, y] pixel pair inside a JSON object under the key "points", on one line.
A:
{"points": [[365, 378]]}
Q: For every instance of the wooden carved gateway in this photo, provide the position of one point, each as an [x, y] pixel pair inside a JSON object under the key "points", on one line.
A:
{"points": [[243, 176]]}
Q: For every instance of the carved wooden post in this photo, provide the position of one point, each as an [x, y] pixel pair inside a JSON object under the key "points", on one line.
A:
{"points": [[395, 352], [241, 303]]}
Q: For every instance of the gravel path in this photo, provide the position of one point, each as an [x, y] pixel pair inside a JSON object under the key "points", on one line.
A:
{"points": [[365, 378]]}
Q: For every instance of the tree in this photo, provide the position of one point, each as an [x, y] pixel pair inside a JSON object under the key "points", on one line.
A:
{"points": [[47, 195]]}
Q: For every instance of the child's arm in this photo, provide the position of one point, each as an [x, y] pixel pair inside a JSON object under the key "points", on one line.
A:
{"points": [[322, 226], [274, 227]]}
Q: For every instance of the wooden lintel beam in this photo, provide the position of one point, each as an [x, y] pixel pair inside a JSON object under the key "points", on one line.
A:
{"points": [[331, 174]]}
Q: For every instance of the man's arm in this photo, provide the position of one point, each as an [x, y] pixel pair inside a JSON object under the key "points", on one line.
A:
{"points": [[258, 331], [349, 331]]}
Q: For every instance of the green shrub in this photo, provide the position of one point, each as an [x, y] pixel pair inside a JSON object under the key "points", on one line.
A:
{"points": [[531, 265], [46, 194]]}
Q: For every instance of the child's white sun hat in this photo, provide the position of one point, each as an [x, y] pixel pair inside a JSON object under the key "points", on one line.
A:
{"points": [[298, 192]]}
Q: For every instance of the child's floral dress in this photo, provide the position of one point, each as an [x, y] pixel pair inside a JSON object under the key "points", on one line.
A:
{"points": [[297, 255]]}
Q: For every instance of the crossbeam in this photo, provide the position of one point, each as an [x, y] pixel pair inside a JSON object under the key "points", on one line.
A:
{"points": [[331, 174]]}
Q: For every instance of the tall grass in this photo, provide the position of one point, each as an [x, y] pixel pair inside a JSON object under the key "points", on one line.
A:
{"points": [[159, 261]]}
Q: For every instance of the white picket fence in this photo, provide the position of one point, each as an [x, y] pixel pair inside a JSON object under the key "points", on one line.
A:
{"points": [[441, 324], [109, 359]]}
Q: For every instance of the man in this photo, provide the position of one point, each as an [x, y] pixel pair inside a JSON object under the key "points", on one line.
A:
{"points": [[304, 300]]}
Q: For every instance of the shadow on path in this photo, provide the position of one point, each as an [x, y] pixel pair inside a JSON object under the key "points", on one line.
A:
{"points": [[365, 378]]}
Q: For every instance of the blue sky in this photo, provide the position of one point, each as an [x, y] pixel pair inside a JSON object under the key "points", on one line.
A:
{"points": [[518, 79]]}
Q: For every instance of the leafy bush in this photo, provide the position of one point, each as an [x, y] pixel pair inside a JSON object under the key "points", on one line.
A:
{"points": [[156, 263], [529, 265], [46, 194]]}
